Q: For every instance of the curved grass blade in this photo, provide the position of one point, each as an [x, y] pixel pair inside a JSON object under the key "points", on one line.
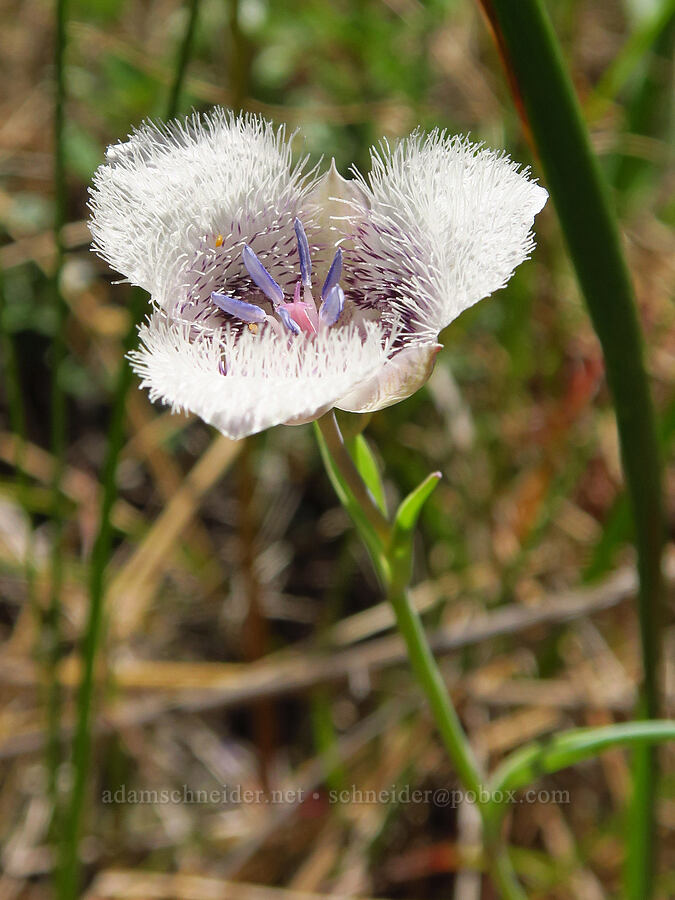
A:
{"points": [[649, 110], [567, 748], [580, 196], [639, 44]]}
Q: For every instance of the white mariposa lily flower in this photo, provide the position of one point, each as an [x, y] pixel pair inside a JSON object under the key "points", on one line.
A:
{"points": [[234, 241]]}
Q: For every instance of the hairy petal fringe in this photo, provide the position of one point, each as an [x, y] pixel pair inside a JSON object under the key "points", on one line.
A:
{"points": [[165, 188], [439, 223], [443, 223], [244, 383]]}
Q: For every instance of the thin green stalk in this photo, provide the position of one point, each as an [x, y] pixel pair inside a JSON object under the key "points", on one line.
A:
{"points": [[456, 743], [69, 875], [649, 111], [580, 196], [336, 446], [239, 59], [640, 45], [50, 635], [392, 559], [427, 673], [173, 103]]}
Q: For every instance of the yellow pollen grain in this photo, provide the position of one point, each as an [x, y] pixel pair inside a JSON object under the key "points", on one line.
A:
{"points": [[219, 240], [253, 327]]}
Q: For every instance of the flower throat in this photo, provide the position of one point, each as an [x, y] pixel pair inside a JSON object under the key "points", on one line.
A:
{"points": [[298, 315]]}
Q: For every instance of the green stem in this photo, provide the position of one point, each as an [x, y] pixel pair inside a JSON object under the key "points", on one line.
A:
{"points": [[336, 446], [576, 185], [394, 572], [69, 875], [426, 670], [456, 743], [173, 104]]}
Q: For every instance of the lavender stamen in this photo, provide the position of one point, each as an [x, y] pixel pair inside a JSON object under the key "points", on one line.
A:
{"points": [[246, 312], [303, 253], [334, 274], [261, 276], [331, 308], [288, 321]]}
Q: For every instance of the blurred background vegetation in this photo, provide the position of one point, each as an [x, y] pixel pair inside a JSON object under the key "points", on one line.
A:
{"points": [[245, 640]]}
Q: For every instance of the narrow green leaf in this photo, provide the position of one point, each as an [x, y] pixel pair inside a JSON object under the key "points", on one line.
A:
{"points": [[400, 552], [350, 504], [570, 747], [365, 462], [409, 511]]}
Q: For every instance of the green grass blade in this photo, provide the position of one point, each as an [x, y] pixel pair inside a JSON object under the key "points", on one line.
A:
{"points": [[69, 875], [632, 54], [403, 527], [326, 740], [649, 110], [173, 104], [567, 748], [50, 634], [580, 196]]}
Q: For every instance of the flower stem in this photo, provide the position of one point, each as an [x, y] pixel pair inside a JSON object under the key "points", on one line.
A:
{"points": [[459, 750], [336, 446], [427, 672], [424, 665]]}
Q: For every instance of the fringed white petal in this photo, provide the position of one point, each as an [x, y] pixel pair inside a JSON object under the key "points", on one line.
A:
{"points": [[444, 223], [439, 224], [166, 188], [269, 379]]}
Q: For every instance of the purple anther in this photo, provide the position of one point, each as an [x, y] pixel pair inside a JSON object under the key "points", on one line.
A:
{"points": [[289, 322], [331, 308], [245, 312], [334, 274], [261, 276], [303, 252]]}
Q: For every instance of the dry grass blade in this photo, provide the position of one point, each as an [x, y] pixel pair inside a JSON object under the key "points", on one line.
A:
{"points": [[202, 686], [134, 885], [131, 591]]}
